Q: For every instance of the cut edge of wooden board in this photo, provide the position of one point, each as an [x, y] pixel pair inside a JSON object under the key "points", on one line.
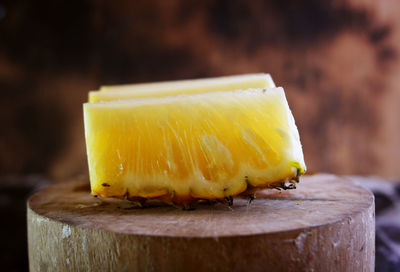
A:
{"points": [[347, 245]]}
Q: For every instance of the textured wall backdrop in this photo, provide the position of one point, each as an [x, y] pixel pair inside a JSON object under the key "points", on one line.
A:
{"points": [[338, 61]]}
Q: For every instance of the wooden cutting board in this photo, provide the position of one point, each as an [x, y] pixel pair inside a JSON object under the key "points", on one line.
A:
{"points": [[326, 224]]}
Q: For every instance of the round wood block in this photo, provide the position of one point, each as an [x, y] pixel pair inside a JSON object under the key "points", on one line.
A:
{"points": [[326, 224]]}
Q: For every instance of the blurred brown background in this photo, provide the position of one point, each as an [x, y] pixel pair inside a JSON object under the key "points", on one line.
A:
{"points": [[337, 60]]}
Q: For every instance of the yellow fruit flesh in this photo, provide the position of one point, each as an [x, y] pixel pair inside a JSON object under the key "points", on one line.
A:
{"points": [[168, 88], [201, 146]]}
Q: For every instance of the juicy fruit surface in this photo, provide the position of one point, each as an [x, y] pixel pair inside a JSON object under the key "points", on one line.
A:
{"points": [[169, 88], [202, 146]]}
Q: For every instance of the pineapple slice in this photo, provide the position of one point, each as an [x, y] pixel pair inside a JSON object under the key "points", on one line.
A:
{"points": [[168, 88], [195, 146]]}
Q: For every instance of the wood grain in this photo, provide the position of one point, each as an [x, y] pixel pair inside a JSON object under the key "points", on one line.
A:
{"points": [[327, 224]]}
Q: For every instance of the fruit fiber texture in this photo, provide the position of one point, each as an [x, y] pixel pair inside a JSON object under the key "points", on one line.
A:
{"points": [[196, 146], [168, 88]]}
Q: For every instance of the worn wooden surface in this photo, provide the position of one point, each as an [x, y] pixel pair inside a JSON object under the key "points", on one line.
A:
{"points": [[327, 224]]}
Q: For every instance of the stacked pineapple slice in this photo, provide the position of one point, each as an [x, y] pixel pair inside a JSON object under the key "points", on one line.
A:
{"points": [[183, 141]]}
